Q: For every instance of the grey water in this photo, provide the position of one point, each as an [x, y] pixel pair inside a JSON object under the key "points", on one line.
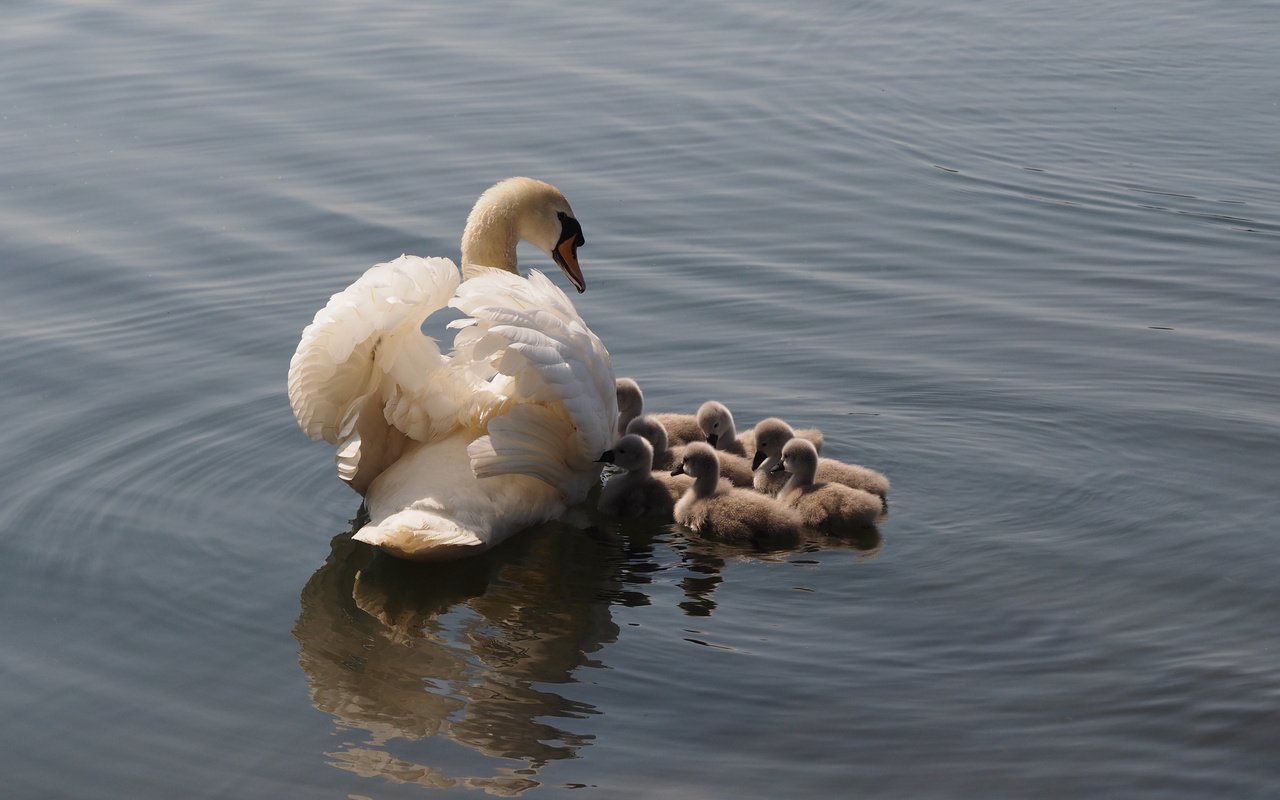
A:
{"points": [[1023, 257]]}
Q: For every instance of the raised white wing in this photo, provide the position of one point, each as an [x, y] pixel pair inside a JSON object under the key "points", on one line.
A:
{"points": [[365, 377], [560, 399]]}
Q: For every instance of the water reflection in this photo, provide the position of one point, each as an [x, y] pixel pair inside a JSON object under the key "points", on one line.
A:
{"points": [[426, 657], [460, 652], [704, 560]]}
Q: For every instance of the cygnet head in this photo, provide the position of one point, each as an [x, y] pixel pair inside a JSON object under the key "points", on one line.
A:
{"points": [[772, 434], [699, 461], [522, 209], [631, 453], [716, 422], [800, 459], [630, 401], [651, 429]]}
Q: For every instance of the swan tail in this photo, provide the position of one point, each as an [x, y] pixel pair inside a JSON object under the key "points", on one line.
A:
{"points": [[559, 379], [428, 506], [422, 535]]}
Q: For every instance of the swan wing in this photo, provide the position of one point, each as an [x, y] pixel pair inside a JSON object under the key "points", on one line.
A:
{"points": [[366, 378], [554, 374]]}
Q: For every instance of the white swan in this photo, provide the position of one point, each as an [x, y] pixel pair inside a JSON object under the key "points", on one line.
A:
{"points": [[454, 453]]}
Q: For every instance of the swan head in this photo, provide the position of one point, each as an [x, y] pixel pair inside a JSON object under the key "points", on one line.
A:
{"points": [[630, 401], [771, 435], [716, 423], [525, 209], [632, 453], [699, 461], [799, 458], [652, 430]]}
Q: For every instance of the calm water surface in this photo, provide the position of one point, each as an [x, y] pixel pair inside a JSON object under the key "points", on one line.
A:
{"points": [[1022, 257]]}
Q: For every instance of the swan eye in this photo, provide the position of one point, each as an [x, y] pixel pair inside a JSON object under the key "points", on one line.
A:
{"points": [[570, 229]]}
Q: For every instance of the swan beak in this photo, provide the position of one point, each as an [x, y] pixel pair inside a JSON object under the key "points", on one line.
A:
{"points": [[777, 467], [605, 458], [566, 255], [712, 438], [758, 460], [679, 470]]}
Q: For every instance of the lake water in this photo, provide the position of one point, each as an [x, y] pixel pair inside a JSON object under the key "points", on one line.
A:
{"points": [[1023, 257]]}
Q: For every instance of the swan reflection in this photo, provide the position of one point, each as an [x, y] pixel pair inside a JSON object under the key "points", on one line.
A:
{"points": [[461, 651], [432, 665]]}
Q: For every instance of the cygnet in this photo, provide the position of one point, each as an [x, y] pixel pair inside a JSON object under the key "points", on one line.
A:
{"points": [[830, 507], [707, 507], [634, 493], [772, 435], [655, 433], [664, 458], [716, 422], [681, 428]]}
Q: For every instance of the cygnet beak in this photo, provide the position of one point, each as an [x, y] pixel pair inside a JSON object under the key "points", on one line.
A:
{"points": [[605, 458], [712, 438], [679, 470], [758, 460], [777, 468]]}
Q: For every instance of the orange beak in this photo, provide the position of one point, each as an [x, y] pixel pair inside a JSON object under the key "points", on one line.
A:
{"points": [[566, 255]]}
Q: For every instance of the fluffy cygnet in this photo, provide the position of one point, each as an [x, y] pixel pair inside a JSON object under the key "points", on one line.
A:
{"points": [[681, 428], [772, 435], [707, 507], [664, 458], [634, 493], [716, 422], [655, 433], [733, 468], [750, 439], [826, 506], [630, 403]]}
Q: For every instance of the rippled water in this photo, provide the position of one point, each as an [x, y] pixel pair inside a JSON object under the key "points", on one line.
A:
{"points": [[1022, 257]]}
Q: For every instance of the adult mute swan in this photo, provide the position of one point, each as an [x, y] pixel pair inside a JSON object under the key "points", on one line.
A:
{"points": [[453, 453]]}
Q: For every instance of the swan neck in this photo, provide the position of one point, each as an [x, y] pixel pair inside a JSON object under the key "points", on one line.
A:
{"points": [[796, 483], [729, 437], [705, 484], [489, 240]]}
